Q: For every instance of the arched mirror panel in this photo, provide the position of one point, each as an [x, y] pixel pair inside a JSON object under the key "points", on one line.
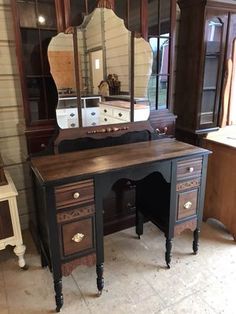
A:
{"points": [[92, 68]]}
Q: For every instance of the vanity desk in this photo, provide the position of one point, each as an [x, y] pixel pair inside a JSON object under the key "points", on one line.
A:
{"points": [[170, 182]]}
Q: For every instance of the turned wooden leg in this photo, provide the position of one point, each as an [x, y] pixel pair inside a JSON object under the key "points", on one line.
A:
{"points": [[58, 294], [196, 240], [100, 279], [139, 223], [19, 250], [168, 251]]}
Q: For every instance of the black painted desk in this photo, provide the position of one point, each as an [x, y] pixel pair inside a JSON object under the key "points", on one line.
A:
{"points": [[170, 185]]}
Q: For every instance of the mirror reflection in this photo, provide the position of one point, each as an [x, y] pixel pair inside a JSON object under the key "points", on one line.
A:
{"points": [[91, 68]]}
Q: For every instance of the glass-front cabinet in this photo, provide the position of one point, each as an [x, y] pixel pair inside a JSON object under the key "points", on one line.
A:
{"points": [[204, 48], [215, 30]]}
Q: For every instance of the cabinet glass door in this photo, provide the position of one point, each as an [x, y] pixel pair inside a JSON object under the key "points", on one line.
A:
{"points": [[212, 78]]}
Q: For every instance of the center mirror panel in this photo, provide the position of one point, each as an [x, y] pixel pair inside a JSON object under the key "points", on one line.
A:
{"points": [[92, 69]]}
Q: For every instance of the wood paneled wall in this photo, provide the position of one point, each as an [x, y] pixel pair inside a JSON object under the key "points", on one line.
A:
{"points": [[12, 139]]}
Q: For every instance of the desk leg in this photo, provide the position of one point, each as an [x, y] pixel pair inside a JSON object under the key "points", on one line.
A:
{"points": [[196, 240], [168, 251], [99, 185], [100, 279], [59, 295], [139, 223]]}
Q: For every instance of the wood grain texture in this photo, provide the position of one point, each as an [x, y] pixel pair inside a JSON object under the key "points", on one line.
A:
{"points": [[69, 230], [188, 185], [190, 224], [189, 168], [69, 215], [65, 194], [183, 199], [94, 161], [68, 267], [220, 200]]}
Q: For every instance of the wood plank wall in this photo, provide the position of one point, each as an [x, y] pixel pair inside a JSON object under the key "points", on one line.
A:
{"points": [[12, 139]]}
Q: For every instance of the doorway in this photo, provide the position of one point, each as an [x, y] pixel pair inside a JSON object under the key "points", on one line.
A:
{"points": [[96, 61]]}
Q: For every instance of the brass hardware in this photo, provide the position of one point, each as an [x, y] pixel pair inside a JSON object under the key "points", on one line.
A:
{"points": [[78, 237], [188, 205], [76, 195], [108, 130], [165, 129], [190, 169]]}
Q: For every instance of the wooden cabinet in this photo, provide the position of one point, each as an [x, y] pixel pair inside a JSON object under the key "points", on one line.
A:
{"points": [[35, 23], [205, 37]]}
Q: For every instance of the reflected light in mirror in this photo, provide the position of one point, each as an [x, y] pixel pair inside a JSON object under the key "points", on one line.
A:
{"points": [[103, 45]]}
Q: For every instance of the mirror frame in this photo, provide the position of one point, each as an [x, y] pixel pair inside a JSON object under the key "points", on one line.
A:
{"points": [[156, 116]]}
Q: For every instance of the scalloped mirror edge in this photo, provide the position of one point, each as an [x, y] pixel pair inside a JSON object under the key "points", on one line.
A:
{"points": [[115, 102]]}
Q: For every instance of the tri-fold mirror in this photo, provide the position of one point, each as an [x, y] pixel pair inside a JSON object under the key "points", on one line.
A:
{"points": [[102, 72]]}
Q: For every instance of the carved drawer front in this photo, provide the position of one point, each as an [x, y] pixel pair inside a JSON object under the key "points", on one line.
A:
{"points": [[189, 168], [75, 193], [78, 236], [187, 204], [186, 185]]}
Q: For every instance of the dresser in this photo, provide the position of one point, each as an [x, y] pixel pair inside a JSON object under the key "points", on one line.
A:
{"points": [[117, 111], [69, 189]]}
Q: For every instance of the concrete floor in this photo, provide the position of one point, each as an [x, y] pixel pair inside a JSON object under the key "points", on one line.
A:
{"points": [[136, 279]]}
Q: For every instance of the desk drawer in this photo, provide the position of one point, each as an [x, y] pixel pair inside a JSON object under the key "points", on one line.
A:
{"points": [[189, 168], [77, 236], [187, 204], [74, 194]]}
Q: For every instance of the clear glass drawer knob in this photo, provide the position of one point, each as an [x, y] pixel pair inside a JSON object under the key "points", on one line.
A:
{"points": [[76, 195], [188, 205], [190, 169], [78, 237]]}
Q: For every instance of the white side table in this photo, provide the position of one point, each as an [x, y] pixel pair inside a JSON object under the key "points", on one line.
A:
{"points": [[10, 231]]}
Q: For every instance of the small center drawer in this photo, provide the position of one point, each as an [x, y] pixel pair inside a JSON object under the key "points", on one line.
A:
{"points": [[189, 168], [75, 193], [187, 204]]}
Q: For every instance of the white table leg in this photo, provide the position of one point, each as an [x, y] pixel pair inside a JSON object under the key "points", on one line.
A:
{"points": [[19, 250]]}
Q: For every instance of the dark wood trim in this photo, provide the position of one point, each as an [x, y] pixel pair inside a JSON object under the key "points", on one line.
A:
{"points": [[225, 6], [61, 15], [132, 61], [67, 17], [170, 96], [19, 56], [70, 134], [77, 75], [144, 19], [108, 4]]}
